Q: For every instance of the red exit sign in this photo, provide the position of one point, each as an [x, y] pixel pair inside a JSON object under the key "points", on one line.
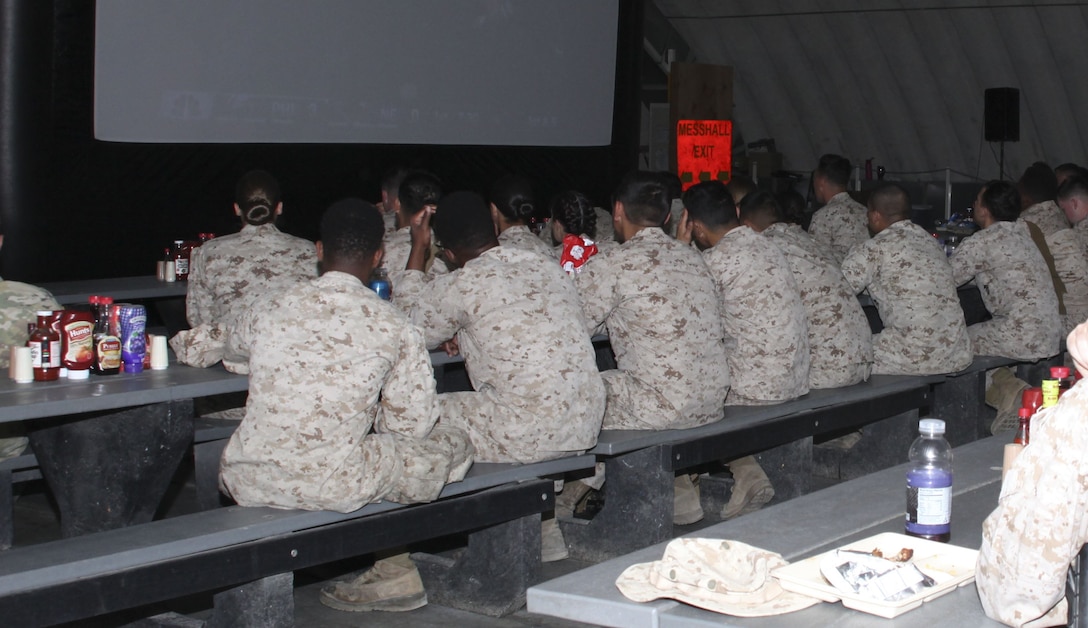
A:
{"points": [[704, 151]]}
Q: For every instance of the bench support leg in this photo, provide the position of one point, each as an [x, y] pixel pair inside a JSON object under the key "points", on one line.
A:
{"points": [[637, 512], [7, 510], [265, 603], [960, 402], [111, 469], [206, 473], [883, 444], [491, 575], [789, 468]]}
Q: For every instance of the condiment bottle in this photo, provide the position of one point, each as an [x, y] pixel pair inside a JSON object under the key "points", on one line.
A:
{"points": [[107, 347], [44, 346], [1051, 390], [77, 342], [1023, 433], [1032, 398], [181, 260], [929, 484], [1061, 373]]}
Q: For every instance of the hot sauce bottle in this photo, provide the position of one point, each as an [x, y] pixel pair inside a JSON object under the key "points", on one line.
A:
{"points": [[44, 346]]}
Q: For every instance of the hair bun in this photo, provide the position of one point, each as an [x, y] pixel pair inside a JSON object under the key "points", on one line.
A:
{"points": [[258, 213]]}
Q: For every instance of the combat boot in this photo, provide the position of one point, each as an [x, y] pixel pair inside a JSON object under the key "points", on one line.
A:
{"points": [[566, 502], [1004, 393], [553, 546], [686, 508], [752, 488], [392, 584]]}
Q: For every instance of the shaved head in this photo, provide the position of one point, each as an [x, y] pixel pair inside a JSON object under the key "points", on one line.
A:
{"points": [[890, 201]]}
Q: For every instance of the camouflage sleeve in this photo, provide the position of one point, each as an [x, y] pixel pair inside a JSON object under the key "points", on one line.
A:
{"points": [[968, 261], [858, 267], [1041, 520], [198, 293], [239, 337], [596, 289], [409, 404], [432, 304]]}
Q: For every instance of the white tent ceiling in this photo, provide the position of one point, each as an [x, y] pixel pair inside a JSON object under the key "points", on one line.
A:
{"points": [[898, 81]]}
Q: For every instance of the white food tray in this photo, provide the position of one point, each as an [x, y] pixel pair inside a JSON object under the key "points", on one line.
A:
{"points": [[950, 565]]}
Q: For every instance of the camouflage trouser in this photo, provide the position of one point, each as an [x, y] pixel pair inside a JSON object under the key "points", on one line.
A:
{"points": [[1004, 338], [423, 466], [498, 432], [635, 405], [838, 377]]}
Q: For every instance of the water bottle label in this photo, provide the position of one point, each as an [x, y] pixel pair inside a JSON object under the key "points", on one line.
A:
{"points": [[929, 510]]}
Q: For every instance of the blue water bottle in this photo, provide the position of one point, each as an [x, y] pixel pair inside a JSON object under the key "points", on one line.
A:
{"points": [[380, 284]]}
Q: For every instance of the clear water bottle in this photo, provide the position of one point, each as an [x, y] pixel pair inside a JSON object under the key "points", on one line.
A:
{"points": [[929, 484]]}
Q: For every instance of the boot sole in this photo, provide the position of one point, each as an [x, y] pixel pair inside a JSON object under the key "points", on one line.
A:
{"points": [[758, 499], [392, 605]]}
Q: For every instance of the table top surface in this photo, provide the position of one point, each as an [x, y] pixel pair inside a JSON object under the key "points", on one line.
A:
{"points": [[120, 288], [36, 400], [799, 528]]}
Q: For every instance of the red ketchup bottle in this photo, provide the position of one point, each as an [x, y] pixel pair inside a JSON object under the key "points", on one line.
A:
{"points": [[77, 342], [44, 346]]}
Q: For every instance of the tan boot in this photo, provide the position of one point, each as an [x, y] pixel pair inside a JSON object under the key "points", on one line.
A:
{"points": [[392, 584], [553, 546], [12, 447], [686, 508], [751, 488], [1004, 394], [566, 502]]}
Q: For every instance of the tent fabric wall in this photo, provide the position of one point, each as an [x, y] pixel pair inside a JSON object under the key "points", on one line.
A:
{"points": [[898, 81]]}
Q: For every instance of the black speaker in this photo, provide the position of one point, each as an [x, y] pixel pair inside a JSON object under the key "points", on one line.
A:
{"points": [[1002, 114]]}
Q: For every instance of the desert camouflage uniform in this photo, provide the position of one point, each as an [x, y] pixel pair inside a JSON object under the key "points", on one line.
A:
{"points": [[1048, 216], [537, 392], [229, 273], [839, 225], [398, 246], [328, 360], [839, 339], [521, 237], [656, 298], [766, 335], [19, 303], [389, 220], [1041, 520], [1017, 290], [605, 231], [908, 277], [1069, 247]]}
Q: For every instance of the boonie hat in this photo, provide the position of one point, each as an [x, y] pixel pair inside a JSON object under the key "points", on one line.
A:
{"points": [[717, 575]]}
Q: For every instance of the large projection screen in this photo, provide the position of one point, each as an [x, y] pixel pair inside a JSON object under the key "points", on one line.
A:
{"points": [[474, 72]]}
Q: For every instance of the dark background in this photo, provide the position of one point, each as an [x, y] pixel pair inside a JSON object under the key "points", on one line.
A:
{"points": [[77, 208]]}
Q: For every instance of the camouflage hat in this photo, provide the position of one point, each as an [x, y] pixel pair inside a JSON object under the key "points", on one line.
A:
{"points": [[714, 574]]}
